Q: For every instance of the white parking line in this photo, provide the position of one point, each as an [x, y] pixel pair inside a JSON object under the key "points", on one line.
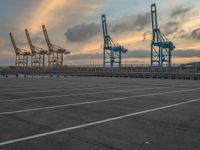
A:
{"points": [[93, 102], [94, 123], [76, 94]]}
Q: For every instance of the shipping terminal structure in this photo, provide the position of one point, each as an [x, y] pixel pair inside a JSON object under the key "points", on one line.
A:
{"points": [[46, 104], [161, 48], [112, 51], [161, 54], [21, 55], [55, 55], [37, 54]]}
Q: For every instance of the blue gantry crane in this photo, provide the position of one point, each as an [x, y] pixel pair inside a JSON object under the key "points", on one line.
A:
{"points": [[161, 48], [112, 51]]}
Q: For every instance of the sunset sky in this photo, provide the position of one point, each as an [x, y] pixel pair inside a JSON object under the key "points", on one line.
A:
{"points": [[76, 26]]}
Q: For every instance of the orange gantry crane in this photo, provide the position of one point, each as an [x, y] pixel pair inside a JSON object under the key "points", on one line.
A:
{"points": [[21, 54], [37, 53], [55, 55]]}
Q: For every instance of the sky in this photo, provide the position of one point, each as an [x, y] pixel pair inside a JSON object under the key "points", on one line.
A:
{"points": [[76, 26]]}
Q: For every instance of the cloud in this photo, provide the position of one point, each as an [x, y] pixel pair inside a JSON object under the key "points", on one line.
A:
{"points": [[142, 20], [122, 27], [2, 41], [57, 13], [195, 34], [181, 12], [46, 13], [80, 21], [83, 32], [182, 34], [130, 54], [132, 23], [176, 27], [85, 56], [172, 27], [136, 54], [146, 35], [189, 35], [187, 53], [38, 40]]}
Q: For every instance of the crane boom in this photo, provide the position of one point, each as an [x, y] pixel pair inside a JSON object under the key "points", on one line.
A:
{"points": [[14, 44], [104, 26], [29, 41], [46, 37], [155, 28]]}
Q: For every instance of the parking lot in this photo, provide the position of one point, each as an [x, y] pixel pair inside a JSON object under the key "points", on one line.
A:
{"points": [[96, 113]]}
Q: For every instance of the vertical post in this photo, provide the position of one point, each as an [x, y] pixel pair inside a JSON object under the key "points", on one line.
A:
{"points": [[111, 58], [120, 58], [170, 58], [61, 59], [16, 60], [195, 67], [26, 60], [49, 58], [160, 55], [43, 60], [104, 57], [32, 60]]}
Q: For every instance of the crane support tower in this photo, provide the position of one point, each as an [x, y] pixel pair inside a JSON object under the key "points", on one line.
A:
{"points": [[161, 48], [21, 58], [112, 51], [55, 55], [37, 53]]}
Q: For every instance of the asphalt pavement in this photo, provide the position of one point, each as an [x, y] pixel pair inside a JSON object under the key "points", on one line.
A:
{"points": [[99, 113]]}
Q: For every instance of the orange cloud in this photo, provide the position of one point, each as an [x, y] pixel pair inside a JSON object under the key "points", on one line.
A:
{"points": [[2, 41], [135, 41], [131, 42], [182, 44], [191, 23], [92, 48], [46, 13]]}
